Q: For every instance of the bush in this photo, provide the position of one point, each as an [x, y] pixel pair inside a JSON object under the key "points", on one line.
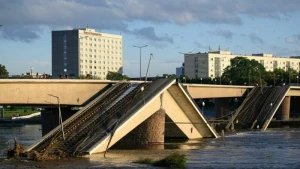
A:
{"points": [[175, 160], [145, 161]]}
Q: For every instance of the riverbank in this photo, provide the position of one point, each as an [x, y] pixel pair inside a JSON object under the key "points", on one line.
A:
{"points": [[20, 121]]}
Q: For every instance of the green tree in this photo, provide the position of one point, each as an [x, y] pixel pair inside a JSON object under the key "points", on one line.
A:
{"points": [[243, 70], [116, 76], [3, 72]]}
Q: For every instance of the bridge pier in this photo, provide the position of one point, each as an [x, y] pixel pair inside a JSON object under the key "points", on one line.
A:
{"points": [[221, 105], [2, 112], [50, 119], [283, 112], [151, 131]]}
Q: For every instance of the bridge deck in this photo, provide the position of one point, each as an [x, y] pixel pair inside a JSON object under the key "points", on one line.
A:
{"points": [[116, 112]]}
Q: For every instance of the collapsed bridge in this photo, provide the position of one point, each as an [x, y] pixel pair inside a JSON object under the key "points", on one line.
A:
{"points": [[122, 109]]}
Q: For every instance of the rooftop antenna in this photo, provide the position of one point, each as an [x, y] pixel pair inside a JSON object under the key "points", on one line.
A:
{"points": [[31, 70], [219, 47]]}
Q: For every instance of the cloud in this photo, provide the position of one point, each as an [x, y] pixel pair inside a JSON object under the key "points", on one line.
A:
{"points": [[290, 40], [221, 32], [149, 33], [199, 45], [117, 15], [256, 39], [284, 51], [24, 34]]}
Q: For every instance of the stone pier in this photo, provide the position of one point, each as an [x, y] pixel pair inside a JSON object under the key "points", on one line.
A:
{"points": [[283, 112], [221, 105], [151, 131]]}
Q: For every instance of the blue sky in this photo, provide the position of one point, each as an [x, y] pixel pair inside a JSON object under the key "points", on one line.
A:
{"points": [[167, 27]]}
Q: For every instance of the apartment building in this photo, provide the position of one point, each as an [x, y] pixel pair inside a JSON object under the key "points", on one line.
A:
{"points": [[86, 52], [212, 63]]}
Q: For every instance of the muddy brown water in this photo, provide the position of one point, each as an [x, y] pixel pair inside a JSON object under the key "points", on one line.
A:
{"points": [[275, 148]]}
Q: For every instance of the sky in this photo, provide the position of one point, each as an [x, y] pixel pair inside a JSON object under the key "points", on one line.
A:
{"points": [[168, 27]]}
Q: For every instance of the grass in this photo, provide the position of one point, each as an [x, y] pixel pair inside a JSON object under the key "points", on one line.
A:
{"points": [[18, 111], [174, 160]]}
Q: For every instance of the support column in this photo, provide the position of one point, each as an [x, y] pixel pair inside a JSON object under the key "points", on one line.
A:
{"points": [[2, 112], [50, 118], [221, 106], [155, 127], [284, 109], [151, 131]]}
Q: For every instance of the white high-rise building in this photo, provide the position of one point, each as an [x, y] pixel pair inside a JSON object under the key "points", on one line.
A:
{"points": [[86, 52], [212, 64]]}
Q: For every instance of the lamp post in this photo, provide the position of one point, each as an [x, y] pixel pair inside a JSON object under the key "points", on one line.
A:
{"points": [[297, 80], [79, 54], [60, 117], [184, 79], [201, 80], [203, 104], [140, 58], [0, 56], [230, 82]]}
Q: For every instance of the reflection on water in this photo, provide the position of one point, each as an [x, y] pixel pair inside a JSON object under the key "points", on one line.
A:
{"points": [[24, 134], [278, 148]]}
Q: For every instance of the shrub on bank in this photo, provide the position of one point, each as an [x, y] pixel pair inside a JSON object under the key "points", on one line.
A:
{"points": [[175, 160]]}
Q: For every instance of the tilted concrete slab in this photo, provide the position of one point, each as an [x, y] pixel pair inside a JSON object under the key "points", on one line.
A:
{"points": [[184, 114]]}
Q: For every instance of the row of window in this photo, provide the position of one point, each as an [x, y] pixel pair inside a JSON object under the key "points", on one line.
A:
{"points": [[102, 57], [100, 51], [99, 67], [99, 62], [101, 40], [99, 45], [93, 73]]}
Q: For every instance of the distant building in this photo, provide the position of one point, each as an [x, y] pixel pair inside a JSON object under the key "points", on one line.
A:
{"points": [[180, 71], [212, 64], [85, 52]]}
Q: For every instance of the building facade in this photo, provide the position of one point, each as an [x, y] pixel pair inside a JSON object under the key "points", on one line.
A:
{"points": [[82, 52], [180, 71], [213, 63]]}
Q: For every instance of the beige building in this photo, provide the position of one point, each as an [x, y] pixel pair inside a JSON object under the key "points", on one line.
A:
{"points": [[86, 52], [213, 63]]}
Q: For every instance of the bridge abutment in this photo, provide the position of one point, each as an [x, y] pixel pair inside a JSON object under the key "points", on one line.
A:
{"points": [[221, 105], [283, 112]]}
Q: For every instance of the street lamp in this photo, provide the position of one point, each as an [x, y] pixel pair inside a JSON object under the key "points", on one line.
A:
{"points": [[140, 58], [60, 117], [230, 82], [203, 104], [201, 80], [297, 80]]}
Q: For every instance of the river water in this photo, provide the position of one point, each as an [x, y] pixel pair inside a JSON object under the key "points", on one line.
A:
{"points": [[275, 148]]}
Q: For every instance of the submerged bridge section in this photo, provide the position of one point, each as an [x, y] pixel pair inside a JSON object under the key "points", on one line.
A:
{"points": [[259, 107], [119, 110]]}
